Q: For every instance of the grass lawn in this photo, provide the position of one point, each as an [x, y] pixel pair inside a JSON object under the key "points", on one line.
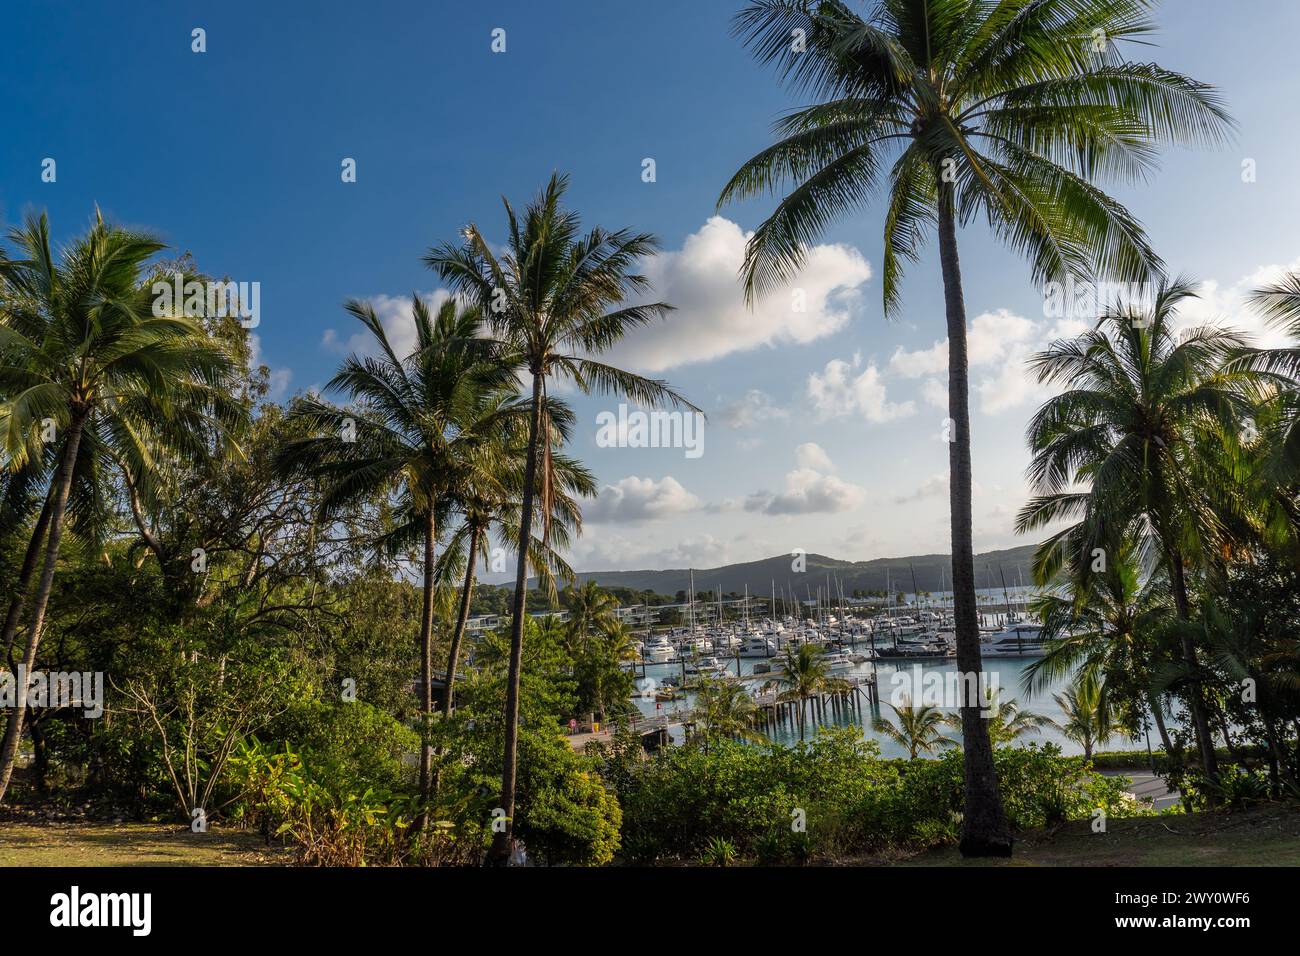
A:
{"points": [[131, 844], [1261, 836]]}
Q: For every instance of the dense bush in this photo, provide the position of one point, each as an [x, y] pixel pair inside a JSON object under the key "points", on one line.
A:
{"points": [[834, 796]]}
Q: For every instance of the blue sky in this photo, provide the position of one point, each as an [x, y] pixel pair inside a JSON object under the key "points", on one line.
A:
{"points": [[823, 435]]}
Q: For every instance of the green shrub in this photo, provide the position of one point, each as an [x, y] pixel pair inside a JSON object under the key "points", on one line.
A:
{"points": [[835, 796]]}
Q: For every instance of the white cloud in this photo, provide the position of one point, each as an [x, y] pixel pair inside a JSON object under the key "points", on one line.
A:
{"points": [[711, 318], [836, 392], [808, 491], [998, 347], [991, 338], [1227, 306], [753, 409], [641, 499], [812, 455], [933, 487], [935, 393], [398, 320]]}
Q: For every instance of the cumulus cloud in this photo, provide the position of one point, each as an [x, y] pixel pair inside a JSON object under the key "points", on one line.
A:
{"points": [[711, 318], [1226, 305], [840, 390], [991, 338], [812, 455], [933, 487], [641, 499], [754, 408], [394, 312], [998, 345], [808, 491]]}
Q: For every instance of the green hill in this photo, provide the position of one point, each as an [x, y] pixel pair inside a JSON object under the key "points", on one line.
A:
{"points": [[929, 570]]}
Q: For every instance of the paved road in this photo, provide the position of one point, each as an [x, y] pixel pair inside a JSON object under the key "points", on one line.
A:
{"points": [[1147, 786]]}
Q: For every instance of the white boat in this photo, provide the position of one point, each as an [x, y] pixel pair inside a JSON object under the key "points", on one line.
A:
{"points": [[756, 645], [837, 662], [706, 667], [658, 651], [725, 643], [1015, 640]]}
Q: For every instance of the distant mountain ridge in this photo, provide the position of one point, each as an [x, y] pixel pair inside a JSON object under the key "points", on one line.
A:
{"points": [[875, 575]]}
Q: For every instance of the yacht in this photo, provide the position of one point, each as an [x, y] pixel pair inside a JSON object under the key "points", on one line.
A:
{"points": [[837, 662], [756, 645], [657, 650], [1014, 640], [706, 667]]}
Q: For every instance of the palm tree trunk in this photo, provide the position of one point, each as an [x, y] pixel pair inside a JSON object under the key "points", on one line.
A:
{"points": [[502, 840], [62, 488], [984, 828], [19, 599], [1158, 715], [462, 616], [426, 667], [1200, 720]]}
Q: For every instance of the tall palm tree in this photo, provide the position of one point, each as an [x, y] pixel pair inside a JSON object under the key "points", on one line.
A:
{"points": [[1106, 629], [553, 300], [1121, 450], [85, 354], [918, 728], [487, 500], [803, 674], [417, 424], [1087, 716], [1001, 111], [1280, 303]]}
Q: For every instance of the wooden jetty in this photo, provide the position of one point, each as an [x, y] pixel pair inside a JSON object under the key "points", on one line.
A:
{"points": [[773, 712]]}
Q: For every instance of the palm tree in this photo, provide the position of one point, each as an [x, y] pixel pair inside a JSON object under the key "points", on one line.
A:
{"points": [[1000, 111], [418, 424], [86, 355], [918, 728], [1280, 303], [591, 611], [553, 301], [1006, 720], [487, 500], [724, 709], [1106, 629], [1142, 406], [1087, 716], [804, 674]]}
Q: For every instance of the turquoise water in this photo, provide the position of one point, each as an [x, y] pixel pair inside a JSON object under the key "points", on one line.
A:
{"points": [[891, 677]]}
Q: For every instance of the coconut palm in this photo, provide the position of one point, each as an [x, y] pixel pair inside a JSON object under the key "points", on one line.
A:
{"points": [[918, 728], [724, 709], [600, 666], [1004, 112], [90, 374], [418, 425], [802, 673], [487, 501], [1006, 720], [1121, 452], [553, 300], [1108, 630], [591, 611], [1280, 303], [1087, 716]]}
